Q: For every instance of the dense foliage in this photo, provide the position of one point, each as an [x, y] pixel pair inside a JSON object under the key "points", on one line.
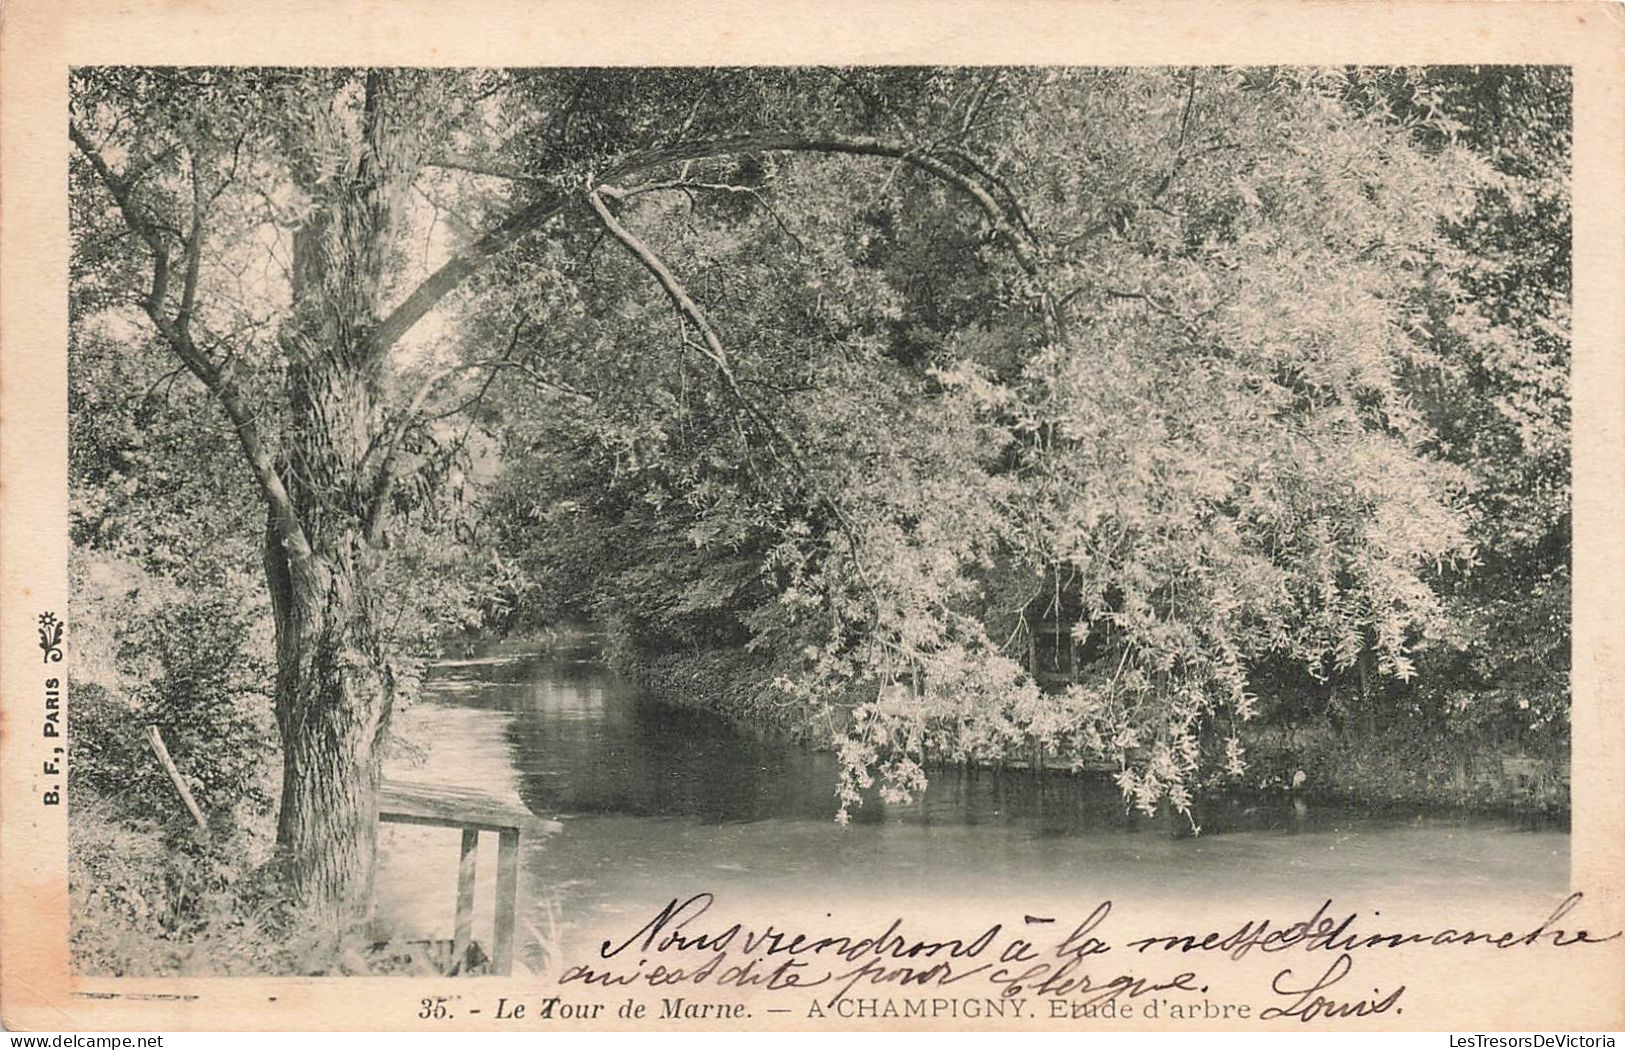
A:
{"points": [[1250, 427], [1500, 404]]}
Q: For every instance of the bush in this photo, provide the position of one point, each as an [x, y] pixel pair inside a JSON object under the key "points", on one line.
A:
{"points": [[195, 675]]}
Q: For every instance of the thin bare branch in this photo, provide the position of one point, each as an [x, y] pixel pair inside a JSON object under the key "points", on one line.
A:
{"points": [[194, 252], [476, 166], [412, 415], [978, 98], [713, 348], [715, 352]]}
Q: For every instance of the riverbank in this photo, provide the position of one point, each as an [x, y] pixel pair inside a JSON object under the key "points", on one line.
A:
{"points": [[1415, 764], [729, 683], [1408, 762]]}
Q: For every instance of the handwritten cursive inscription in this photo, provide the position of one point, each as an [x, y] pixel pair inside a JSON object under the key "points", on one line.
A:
{"points": [[680, 946], [1308, 1004], [1320, 932]]}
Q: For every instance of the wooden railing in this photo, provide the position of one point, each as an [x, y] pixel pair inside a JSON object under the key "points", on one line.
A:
{"points": [[404, 802]]}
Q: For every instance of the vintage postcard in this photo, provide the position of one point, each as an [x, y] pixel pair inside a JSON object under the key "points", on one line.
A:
{"points": [[976, 515]]}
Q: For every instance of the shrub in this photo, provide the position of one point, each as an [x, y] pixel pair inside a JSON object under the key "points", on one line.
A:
{"points": [[196, 677]]}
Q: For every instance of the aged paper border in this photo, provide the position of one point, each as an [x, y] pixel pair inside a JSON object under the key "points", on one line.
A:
{"points": [[40, 39]]}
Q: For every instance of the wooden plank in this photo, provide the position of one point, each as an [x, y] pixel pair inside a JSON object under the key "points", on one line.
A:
{"points": [[464, 928], [416, 803], [507, 903], [389, 816], [471, 811]]}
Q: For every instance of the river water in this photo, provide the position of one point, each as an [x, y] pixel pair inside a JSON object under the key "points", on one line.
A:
{"points": [[656, 802]]}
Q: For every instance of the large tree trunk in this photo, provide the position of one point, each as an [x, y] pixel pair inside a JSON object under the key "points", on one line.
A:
{"points": [[334, 688], [333, 701], [324, 460]]}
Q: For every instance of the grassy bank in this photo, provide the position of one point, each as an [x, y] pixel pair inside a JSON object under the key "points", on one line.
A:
{"points": [[729, 682], [1407, 762], [1417, 764]]}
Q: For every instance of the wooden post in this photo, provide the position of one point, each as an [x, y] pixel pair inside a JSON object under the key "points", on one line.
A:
{"points": [[507, 902], [464, 928], [158, 748]]}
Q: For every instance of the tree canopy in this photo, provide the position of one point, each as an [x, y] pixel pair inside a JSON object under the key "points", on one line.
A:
{"points": [[979, 409]]}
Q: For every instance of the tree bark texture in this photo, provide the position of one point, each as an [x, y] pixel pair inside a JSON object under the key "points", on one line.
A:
{"points": [[334, 687]]}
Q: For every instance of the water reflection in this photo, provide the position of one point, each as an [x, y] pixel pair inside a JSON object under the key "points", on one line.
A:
{"points": [[659, 800]]}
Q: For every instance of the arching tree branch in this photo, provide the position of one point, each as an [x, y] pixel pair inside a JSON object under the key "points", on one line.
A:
{"points": [[443, 281], [176, 334], [956, 168], [1019, 241], [1007, 219], [715, 352]]}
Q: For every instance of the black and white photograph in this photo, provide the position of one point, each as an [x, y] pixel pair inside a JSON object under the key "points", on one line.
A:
{"points": [[825, 545]]}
